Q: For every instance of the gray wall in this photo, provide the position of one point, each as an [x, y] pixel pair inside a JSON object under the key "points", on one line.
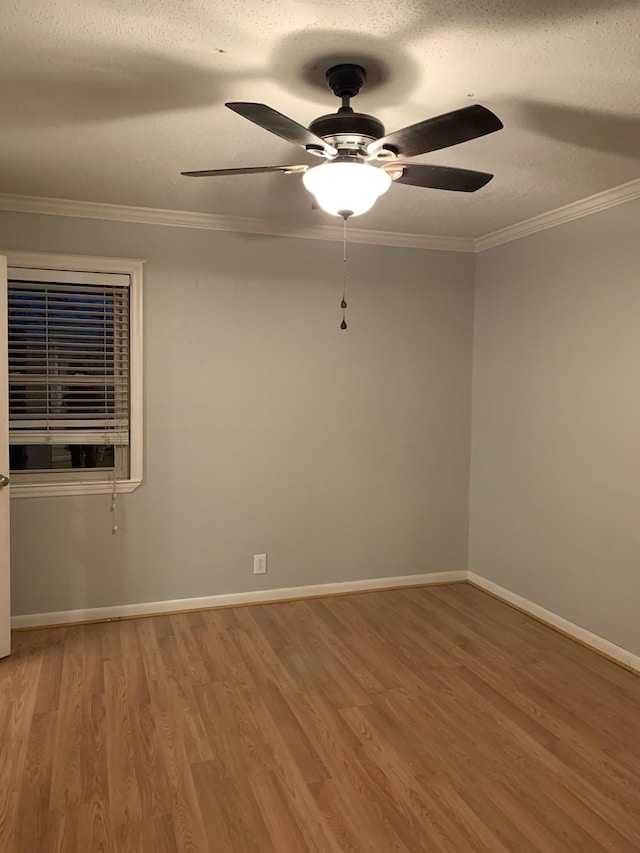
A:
{"points": [[343, 455], [555, 484]]}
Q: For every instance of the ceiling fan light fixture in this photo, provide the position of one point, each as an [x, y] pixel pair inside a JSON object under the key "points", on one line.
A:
{"points": [[346, 188]]}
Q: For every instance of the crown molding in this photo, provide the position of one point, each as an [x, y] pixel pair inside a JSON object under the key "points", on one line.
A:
{"points": [[566, 213], [215, 222]]}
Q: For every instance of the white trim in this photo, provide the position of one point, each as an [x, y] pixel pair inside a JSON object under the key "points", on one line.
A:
{"points": [[5, 536], [566, 213], [215, 222], [132, 267], [225, 600], [263, 596], [136, 372], [83, 263], [576, 631]]}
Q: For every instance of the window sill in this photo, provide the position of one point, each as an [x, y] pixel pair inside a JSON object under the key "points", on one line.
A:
{"points": [[59, 490]]}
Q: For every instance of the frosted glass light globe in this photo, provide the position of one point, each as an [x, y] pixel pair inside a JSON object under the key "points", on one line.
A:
{"points": [[346, 188]]}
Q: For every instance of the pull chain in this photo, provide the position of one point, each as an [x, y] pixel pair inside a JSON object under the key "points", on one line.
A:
{"points": [[343, 304]]}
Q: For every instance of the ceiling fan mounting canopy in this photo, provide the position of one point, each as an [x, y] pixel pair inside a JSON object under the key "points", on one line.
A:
{"points": [[359, 138], [346, 80]]}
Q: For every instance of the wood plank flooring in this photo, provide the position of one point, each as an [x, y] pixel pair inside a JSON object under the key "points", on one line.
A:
{"points": [[434, 719]]}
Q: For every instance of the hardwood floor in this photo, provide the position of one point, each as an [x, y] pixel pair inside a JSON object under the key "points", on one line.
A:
{"points": [[433, 719]]}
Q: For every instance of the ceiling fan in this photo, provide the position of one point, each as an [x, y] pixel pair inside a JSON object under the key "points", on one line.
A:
{"points": [[361, 161]]}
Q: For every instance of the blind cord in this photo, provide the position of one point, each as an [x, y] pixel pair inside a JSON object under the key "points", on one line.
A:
{"points": [[104, 369], [47, 390], [114, 525]]}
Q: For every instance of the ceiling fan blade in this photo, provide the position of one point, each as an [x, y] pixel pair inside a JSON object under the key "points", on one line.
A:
{"points": [[440, 132], [440, 177], [281, 125], [249, 170]]}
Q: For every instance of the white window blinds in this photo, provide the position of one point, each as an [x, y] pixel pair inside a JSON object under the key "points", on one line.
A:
{"points": [[68, 357]]}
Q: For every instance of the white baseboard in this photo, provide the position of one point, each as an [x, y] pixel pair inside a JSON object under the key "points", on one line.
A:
{"points": [[263, 596], [123, 611], [610, 650]]}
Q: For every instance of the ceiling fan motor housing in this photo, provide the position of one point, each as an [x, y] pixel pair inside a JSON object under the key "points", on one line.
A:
{"points": [[346, 124]]}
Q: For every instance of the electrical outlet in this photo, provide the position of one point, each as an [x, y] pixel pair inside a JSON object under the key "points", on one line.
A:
{"points": [[259, 564]]}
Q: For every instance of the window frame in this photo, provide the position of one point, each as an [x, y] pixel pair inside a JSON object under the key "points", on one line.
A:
{"points": [[26, 485]]}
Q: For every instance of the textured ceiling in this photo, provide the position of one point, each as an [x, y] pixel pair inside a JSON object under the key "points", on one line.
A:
{"points": [[108, 100]]}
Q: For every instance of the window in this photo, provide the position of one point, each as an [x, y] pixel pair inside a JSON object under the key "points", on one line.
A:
{"points": [[75, 402]]}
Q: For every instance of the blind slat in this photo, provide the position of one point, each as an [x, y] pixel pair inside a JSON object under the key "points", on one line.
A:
{"points": [[70, 436], [20, 381]]}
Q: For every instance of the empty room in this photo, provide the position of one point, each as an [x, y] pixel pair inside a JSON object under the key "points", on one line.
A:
{"points": [[319, 499]]}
